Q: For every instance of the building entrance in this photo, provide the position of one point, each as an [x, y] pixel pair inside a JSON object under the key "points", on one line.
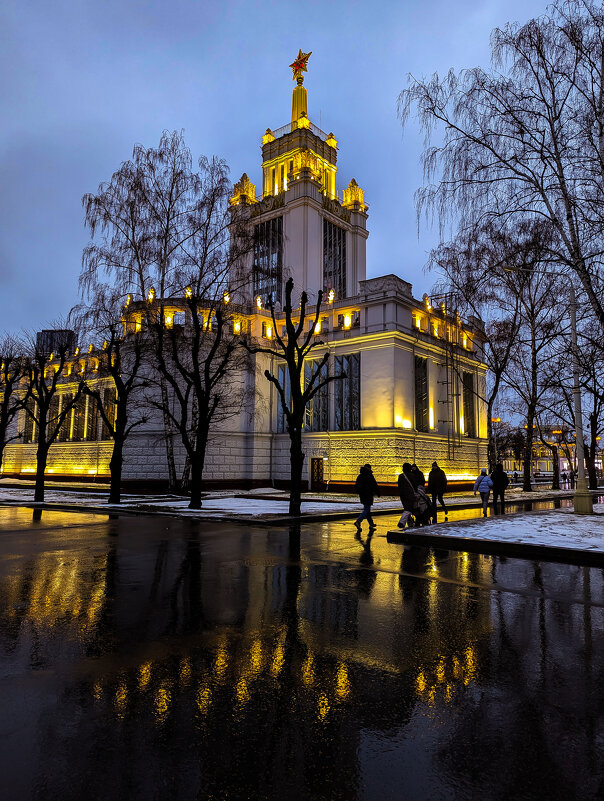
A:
{"points": [[317, 484]]}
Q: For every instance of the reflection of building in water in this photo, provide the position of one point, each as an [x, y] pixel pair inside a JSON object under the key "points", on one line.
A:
{"points": [[245, 673]]}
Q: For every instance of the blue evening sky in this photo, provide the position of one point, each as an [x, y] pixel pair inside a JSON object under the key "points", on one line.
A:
{"points": [[81, 81]]}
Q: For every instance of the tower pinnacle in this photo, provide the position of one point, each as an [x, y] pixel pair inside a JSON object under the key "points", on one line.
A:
{"points": [[299, 104]]}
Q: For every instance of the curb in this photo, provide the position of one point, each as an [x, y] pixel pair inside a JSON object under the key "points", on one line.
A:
{"points": [[518, 550]]}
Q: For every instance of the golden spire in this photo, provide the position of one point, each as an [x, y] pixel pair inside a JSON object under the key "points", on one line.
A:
{"points": [[299, 104]]}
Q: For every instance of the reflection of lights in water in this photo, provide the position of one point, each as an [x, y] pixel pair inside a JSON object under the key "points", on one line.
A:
{"points": [[432, 567], [278, 656], [242, 692], [121, 700], [440, 669], [185, 671], [97, 691], [342, 681], [256, 657], [144, 675], [460, 670], [431, 696], [163, 699], [420, 683], [323, 707], [221, 662], [457, 668], [448, 693], [470, 671], [203, 699], [308, 670]]}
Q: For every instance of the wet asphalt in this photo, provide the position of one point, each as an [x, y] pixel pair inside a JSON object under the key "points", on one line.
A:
{"points": [[156, 658]]}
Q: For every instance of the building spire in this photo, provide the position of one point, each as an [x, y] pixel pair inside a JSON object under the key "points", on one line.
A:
{"points": [[299, 103]]}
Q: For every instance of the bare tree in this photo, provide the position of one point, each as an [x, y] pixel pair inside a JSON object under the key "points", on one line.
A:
{"points": [[162, 226], [204, 368], [120, 359], [13, 369], [45, 374], [526, 140], [295, 393]]}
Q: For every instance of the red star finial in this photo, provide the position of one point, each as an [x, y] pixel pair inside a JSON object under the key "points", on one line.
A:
{"points": [[299, 64]]}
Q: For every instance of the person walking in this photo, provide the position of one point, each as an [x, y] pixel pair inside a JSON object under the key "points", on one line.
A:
{"points": [[437, 486], [419, 479], [367, 487], [515, 477], [500, 481], [406, 491], [484, 485]]}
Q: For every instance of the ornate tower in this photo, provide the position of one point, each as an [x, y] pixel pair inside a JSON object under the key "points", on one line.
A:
{"points": [[302, 227]]}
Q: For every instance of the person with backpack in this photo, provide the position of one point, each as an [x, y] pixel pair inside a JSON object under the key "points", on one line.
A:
{"points": [[500, 481], [367, 487], [437, 486], [414, 499], [483, 485]]}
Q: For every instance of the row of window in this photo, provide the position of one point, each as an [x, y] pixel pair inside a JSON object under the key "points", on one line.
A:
{"points": [[347, 396], [268, 258], [83, 422]]}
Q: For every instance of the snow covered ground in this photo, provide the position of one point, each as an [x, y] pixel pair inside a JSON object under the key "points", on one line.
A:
{"points": [[558, 528]]}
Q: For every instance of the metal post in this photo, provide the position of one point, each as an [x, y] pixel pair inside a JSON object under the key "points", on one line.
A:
{"points": [[583, 503]]}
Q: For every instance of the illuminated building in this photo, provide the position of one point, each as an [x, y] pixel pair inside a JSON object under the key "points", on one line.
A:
{"points": [[415, 378]]}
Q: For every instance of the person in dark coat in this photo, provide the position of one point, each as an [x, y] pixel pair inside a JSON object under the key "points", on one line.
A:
{"points": [[419, 478], [500, 481], [367, 487], [406, 490], [437, 486]]}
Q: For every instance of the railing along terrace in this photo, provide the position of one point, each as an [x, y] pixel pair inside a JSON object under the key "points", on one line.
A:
{"points": [[292, 126]]}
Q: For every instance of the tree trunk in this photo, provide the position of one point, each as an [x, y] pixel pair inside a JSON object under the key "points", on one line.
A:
{"points": [[297, 463], [115, 467], [41, 459], [591, 467], [168, 431], [528, 454], [556, 468], [197, 464]]}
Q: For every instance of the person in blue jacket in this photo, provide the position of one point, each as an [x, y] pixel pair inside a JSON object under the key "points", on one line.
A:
{"points": [[483, 485]]}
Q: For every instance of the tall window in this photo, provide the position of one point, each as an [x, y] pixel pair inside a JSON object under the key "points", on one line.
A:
{"points": [[109, 409], [65, 429], [268, 258], [469, 419], [30, 429], [422, 414], [283, 376], [334, 258], [92, 422], [348, 393], [79, 418], [316, 417]]}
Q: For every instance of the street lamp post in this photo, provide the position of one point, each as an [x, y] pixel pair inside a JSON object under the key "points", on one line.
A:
{"points": [[582, 500]]}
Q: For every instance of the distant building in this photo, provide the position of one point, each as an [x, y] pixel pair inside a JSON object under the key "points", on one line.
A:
{"points": [[415, 378], [54, 341]]}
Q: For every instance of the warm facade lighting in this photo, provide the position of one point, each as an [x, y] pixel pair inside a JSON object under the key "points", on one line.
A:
{"points": [[431, 417], [495, 419], [461, 424], [557, 432], [226, 298], [406, 423], [269, 331], [188, 292], [303, 121], [318, 328], [128, 300], [258, 302], [331, 296], [465, 341], [418, 322], [347, 321], [169, 320], [435, 329], [51, 357], [331, 141], [236, 327], [151, 295], [76, 352], [268, 137], [90, 348]]}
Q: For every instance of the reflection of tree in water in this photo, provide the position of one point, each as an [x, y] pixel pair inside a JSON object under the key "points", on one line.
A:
{"points": [[527, 729]]}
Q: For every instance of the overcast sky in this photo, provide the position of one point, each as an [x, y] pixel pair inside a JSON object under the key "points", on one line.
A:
{"points": [[81, 81]]}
